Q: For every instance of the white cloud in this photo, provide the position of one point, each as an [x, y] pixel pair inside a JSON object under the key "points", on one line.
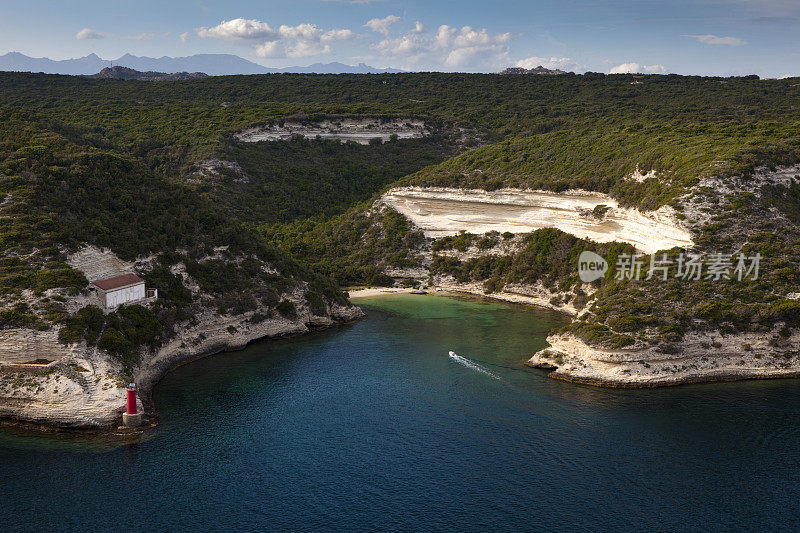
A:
{"points": [[786, 76], [337, 35], [87, 33], [312, 33], [185, 36], [449, 37], [303, 40], [562, 63], [625, 68], [418, 27], [306, 49], [407, 45], [270, 49], [454, 47], [238, 30], [715, 40], [467, 44], [636, 68], [381, 25]]}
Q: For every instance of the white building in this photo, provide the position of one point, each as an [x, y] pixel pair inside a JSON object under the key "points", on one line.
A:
{"points": [[122, 289]]}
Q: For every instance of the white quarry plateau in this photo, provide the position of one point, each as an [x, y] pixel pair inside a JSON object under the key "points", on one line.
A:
{"points": [[361, 131], [442, 211]]}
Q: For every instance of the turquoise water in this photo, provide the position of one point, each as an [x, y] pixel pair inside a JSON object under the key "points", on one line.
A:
{"points": [[373, 426]]}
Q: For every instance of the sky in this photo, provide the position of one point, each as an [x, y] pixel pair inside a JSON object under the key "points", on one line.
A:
{"points": [[707, 37]]}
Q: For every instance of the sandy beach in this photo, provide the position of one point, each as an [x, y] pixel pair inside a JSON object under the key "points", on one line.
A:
{"points": [[376, 291], [461, 290]]}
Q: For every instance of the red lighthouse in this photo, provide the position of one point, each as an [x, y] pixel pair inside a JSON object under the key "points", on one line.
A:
{"points": [[131, 408], [131, 417]]}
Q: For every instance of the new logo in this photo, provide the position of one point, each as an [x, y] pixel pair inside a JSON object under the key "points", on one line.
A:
{"points": [[591, 266]]}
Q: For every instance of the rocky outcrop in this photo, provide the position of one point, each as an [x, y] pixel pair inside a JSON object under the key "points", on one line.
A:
{"points": [[595, 216], [21, 345], [537, 295], [359, 130], [700, 357], [540, 70], [125, 73], [82, 390], [98, 263]]}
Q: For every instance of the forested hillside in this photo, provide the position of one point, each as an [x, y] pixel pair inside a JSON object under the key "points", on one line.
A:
{"points": [[153, 168]]}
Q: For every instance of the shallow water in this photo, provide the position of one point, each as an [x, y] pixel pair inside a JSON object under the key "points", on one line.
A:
{"points": [[373, 426]]}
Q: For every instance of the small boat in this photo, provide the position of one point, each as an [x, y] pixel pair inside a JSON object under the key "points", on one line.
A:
{"points": [[452, 353]]}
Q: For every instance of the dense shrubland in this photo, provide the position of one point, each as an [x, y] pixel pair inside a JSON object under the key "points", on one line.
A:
{"points": [[599, 160], [115, 163], [353, 248], [300, 178]]}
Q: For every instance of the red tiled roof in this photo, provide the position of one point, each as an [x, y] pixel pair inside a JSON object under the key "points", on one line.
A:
{"points": [[118, 282]]}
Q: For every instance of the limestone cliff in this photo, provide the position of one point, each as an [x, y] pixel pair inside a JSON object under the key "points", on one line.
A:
{"points": [[630, 332], [700, 357], [50, 382], [83, 387]]}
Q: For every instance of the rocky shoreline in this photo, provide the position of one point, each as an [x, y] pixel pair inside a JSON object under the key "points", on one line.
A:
{"points": [[84, 394], [65, 401], [702, 358]]}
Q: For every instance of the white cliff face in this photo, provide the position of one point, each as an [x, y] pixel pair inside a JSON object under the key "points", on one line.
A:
{"points": [[96, 263], [84, 387], [441, 211], [701, 357], [359, 130], [49, 383], [80, 387]]}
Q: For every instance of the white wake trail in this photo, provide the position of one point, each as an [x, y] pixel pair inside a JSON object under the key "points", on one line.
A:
{"points": [[472, 365]]}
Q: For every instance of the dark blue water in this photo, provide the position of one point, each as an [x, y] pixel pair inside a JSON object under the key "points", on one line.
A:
{"points": [[372, 426]]}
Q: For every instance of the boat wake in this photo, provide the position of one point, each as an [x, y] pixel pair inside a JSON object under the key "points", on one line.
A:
{"points": [[472, 365]]}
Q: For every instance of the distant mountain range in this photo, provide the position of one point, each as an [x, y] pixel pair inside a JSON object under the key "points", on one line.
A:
{"points": [[211, 64], [125, 73], [538, 70]]}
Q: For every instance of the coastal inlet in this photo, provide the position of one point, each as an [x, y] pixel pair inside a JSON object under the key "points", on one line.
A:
{"points": [[373, 426]]}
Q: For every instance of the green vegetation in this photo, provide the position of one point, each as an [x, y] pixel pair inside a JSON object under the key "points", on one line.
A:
{"points": [[353, 248], [119, 333], [546, 255], [600, 159], [120, 164], [301, 178]]}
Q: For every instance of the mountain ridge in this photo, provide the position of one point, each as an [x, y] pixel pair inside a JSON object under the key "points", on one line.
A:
{"points": [[537, 70], [211, 64], [125, 73]]}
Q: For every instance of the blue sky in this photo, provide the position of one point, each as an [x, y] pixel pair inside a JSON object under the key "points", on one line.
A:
{"points": [[715, 37]]}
